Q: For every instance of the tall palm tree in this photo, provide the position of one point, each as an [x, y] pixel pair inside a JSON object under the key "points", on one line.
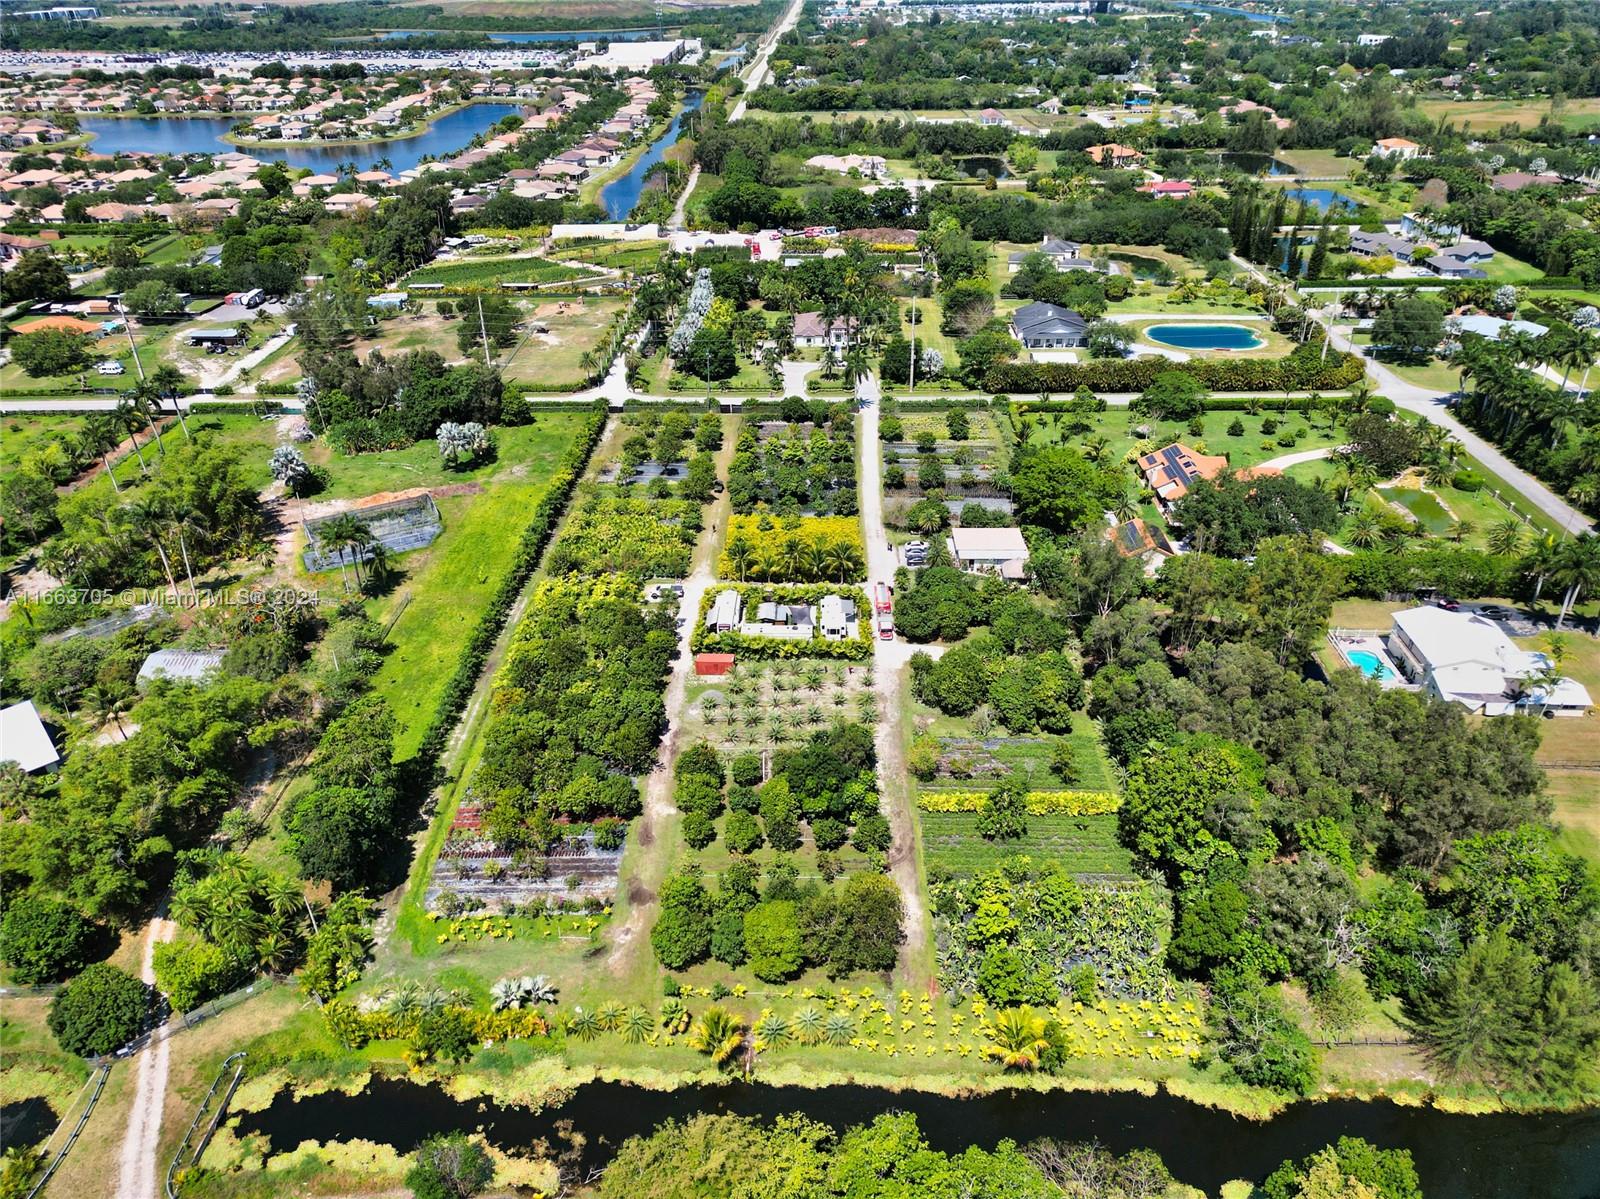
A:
{"points": [[1577, 568], [741, 556], [107, 706], [128, 418], [148, 519]]}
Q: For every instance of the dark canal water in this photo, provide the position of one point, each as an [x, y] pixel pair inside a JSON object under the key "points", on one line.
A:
{"points": [[1458, 1157], [620, 195], [203, 135]]}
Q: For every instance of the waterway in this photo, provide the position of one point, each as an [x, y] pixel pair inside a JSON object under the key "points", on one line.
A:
{"points": [[620, 195], [1225, 11], [204, 135], [1457, 1156]]}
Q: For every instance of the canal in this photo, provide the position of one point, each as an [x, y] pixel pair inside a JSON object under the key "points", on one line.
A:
{"points": [[1457, 1156], [620, 195]]}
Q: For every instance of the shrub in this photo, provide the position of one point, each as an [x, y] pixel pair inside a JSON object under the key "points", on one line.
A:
{"points": [[747, 770], [42, 940], [829, 833], [772, 938], [1039, 803], [99, 1012], [1467, 480], [742, 832], [190, 972], [699, 830]]}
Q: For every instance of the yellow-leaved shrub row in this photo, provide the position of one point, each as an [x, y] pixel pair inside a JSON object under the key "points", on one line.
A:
{"points": [[1040, 803]]}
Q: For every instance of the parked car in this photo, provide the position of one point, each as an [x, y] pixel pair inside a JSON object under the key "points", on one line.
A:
{"points": [[1448, 604], [1497, 612]]}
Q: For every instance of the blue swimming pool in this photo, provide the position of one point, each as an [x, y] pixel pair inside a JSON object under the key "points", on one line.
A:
{"points": [[1204, 337], [1369, 664]]}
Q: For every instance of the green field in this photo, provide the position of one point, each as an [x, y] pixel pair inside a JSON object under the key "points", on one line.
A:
{"points": [[1082, 844], [1426, 508], [25, 434], [447, 585], [1486, 115], [1253, 446], [486, 272]]}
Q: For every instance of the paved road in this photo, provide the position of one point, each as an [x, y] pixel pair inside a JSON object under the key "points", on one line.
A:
{"points": [[757, 73], [1431, 405]]}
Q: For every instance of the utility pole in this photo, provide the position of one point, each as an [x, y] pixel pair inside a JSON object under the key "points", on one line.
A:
{"points": [[911, 385], [484, 333], [128, 329]]}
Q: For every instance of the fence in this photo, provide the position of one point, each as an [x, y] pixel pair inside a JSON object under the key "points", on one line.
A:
{"points": [[199, 1015], [98, 1082], [400, 525], [234, 1062]]}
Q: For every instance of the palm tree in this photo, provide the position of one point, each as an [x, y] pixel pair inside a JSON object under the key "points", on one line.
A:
{"points": [[1018, 1039], [1506, 537], [99, 431], [190, 908], [107, 706], [719, 1035], [1540, 562], [1460, 530], [1366, 530], [167, 381], [1577, 566], [128, 417], [741, 556], [1126, 506], [147, 519]]}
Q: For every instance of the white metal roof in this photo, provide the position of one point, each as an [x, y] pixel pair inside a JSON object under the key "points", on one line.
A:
{"points": [[988, 543], [24, 739]]}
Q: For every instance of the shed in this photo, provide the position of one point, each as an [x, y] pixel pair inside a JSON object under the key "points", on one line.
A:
{"points": [[24, 739], [713, 664], [725, 612], [184, 665]]}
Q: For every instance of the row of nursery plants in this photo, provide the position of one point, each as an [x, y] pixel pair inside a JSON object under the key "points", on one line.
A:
{"points": [[1302, 370], [1040, 803]]}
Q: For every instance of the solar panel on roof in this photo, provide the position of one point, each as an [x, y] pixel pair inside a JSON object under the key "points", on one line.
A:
{"points": [[1176, 464], [1130, 536]]}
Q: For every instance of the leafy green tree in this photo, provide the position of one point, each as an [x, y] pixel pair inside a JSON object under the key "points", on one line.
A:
{"points": [[1256, 1036], [340, 833], [50, 352], [1193, 802], [43, 940], [449, 1166], [1004, 815], [682, 932], [772, 937], [1172, 395], [153, 298], [38, 275], [1058, 488], [1522, 881], [190, 972], [869, 931], [1408, 328], [710, 356], [1379, 1173], [99, 1012]]}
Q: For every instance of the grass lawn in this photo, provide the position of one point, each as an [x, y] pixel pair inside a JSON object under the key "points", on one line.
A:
{"points": [[1153, 298], [619, 255], [1577, 796], [25, 433], [1487, 115], [1253, 446], [1574, 739], [1436, 375], [484, 272], [1503, 268], [1317, 163], [449, 582], [927, 329], [552, 359]]}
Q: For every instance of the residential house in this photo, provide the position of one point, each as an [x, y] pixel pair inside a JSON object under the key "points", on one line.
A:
{"points": [[1114, 156], [1378, 244], [1396, 147], [838, 615], [1169, 189], [989, 551], [812, 331], [1042, 326], [1468, 659], [1138, 539], [992, 116], [1464, 260], [1172, 470]]}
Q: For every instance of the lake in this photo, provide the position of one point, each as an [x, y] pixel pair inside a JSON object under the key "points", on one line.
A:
{"points": [[1321, 198], [620, 195], [1457, 1156], [1224, 11], [982, 166], [1256, 164], [203, 135]]}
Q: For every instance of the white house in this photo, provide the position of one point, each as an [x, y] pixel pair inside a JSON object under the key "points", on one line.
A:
{"points": [[726, 611], [1042, 326], [1396, 147], [810, 329], [24, 739], [1468, 659], [837, 615], [989, 551]]}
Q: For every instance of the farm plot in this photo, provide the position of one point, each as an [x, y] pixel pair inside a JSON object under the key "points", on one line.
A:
{"points": [[494, 272], [757, 706], [795, 469], [958, 451], [555, 353], [1085, 846]]}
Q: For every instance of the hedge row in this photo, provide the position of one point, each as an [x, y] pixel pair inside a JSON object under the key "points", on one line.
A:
{"points": [[1302, 370], [353, 1028], [1453, 570], [216, 408], [546, 515], [1549, 283], [1040, 803], [1211, 404]]}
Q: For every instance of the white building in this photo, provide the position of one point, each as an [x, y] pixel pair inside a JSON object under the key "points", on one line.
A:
{"points": [[639, 56], [24, 739], [1468, 659], [181, 665], [989, 551], [836, 618], [726, 611]]}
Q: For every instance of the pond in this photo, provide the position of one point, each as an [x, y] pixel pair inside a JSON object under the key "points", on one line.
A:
{"points": [[1322, 198], [1257, 164], [203, 135], [620, 195], [1204, 337], [1457, 1156], [1142, 266], [980, 166]]}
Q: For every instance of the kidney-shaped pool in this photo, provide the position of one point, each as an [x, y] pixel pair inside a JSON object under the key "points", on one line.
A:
{"points": [[1204, 337]]}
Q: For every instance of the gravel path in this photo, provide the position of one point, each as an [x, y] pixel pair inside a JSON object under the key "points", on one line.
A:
{"points": [[136, 1173]]}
